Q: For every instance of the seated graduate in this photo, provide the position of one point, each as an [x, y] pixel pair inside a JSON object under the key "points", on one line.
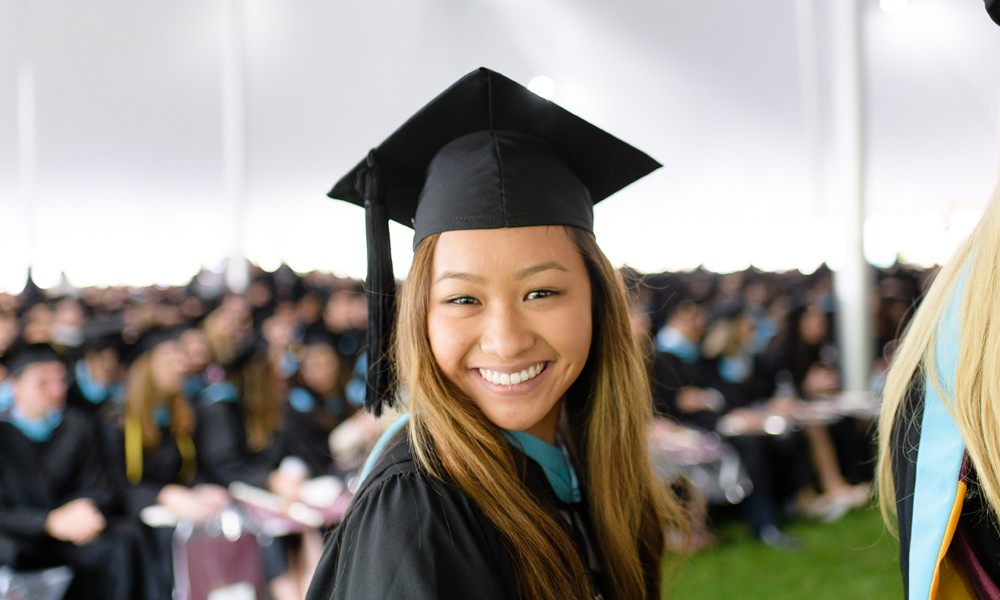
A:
{"points": [[521, 470], [317, 402], [239, 440], [153, 453], [96, 385], [58, 506], [689, 388]]}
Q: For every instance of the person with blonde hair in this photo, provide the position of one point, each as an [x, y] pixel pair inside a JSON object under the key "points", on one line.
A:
{"points": [[939, 447], [153, 453], [520, 469]]}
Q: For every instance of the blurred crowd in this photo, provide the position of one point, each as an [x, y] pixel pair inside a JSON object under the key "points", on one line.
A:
{"points": [[191, 392], [176, 403], [746, 385]]}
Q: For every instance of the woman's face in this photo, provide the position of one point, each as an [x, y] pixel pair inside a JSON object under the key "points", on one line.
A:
{"points": [[509, 321], [168, 366], [812, 326], [320, 368]]}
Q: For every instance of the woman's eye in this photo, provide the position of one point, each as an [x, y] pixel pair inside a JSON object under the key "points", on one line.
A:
{"points": [[536, 294], [462, 300]]}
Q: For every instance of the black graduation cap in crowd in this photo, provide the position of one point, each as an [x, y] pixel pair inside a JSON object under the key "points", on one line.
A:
{"points": [[319, 335], [484, 154], [21, 354], [150, 339], [102, 333]]}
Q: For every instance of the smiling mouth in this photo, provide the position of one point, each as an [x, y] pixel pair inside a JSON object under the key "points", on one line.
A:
{"points": [[498, 378]]}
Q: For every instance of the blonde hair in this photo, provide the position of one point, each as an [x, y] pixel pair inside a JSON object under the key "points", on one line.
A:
{"points": [[606, 413], [972, 397], [142, 433]]}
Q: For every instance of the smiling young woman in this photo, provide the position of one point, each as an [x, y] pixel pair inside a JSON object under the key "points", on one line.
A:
{"points": [[509, 321], [522, 470]]}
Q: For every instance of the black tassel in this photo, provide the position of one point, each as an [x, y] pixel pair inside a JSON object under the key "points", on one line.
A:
{"points": [[381, 289]]}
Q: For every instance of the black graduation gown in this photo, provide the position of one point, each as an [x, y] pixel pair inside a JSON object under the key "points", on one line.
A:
{"points": [[975, 531], [223, 454], [670, 374], [37, 477], [307, 428], [224, 457], [161, 466], [98, 401], [409, 535]]}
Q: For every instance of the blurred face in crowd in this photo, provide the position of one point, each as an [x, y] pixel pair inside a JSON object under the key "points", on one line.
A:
{"points": [[320, 368], [40, 389], [103, 365], [38, 324], [690, 319], [194, 345], [813, 326], [169, 366], [510, 322]]}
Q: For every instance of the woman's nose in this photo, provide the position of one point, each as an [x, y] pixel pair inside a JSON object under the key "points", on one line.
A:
{"points": [[506, 332]]}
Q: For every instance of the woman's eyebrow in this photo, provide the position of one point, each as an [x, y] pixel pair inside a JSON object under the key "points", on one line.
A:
{"points": [[533, 270], [520, 275], [461, 276]]}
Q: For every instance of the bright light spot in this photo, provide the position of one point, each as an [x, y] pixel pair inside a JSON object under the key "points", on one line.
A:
{"points": [[269, 263], [893, 6], [46, 275], [924, 239], [543, 86], [12, 278]]}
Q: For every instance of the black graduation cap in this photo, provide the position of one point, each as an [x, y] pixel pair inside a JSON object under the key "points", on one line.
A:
{"points": [[484, 154], [102, 333], [151, 338], [319, 335], [993, 9], [21, 354]]}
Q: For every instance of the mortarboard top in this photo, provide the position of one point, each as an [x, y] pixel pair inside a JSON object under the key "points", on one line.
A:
{"points": [[528, 161], [321, 336], [102, 333], [21, 354], [486, 153], [151, 338]]}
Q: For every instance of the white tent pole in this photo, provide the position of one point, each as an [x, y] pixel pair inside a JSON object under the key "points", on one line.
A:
{"points": [[851, 281], [26, 129], [234, 142]]}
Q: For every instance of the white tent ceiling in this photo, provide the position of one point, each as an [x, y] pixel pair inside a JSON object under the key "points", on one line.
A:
{"points": [[732, 97]]}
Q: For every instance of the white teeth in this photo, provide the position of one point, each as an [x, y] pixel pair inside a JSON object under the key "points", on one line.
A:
{"points": [[497, 378]]}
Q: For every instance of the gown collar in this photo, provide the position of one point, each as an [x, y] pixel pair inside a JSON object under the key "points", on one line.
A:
{"points": [[554, 463], [36, 430]]}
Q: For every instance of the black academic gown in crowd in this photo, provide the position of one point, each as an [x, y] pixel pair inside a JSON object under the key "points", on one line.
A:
{"points": [[102, 405], [221, 440], [224, 457], [409, 535], [309, 421], [771, 463], [37, 477], [161, 466], [670, 375]]}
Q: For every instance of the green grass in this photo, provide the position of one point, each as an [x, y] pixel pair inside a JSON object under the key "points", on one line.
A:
{"points": [[852, 558]]}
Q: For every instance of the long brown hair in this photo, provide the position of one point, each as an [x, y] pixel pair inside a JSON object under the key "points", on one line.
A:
{"points": [[261, 397], [606, 414]]}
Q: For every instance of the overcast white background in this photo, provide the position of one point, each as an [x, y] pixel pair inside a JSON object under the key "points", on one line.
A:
{"points": [[732, 97]]}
